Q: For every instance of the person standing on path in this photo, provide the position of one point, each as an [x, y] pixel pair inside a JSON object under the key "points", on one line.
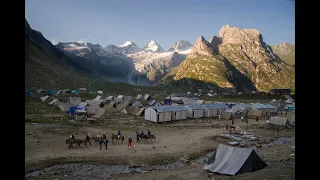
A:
{"points": [[106, 143], [130, 142], [100, 141]]}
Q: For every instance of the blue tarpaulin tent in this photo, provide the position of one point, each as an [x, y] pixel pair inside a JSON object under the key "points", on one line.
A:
{"points": [[51, 92], [72, 110], [167, 101], [29, 93], [75, 91]]}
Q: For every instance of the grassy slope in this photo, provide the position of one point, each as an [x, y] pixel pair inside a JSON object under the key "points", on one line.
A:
{"points": [[289, 58]]}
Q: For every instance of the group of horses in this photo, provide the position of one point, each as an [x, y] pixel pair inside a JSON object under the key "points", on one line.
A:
{"points": [[115, 139], [141, 136]]}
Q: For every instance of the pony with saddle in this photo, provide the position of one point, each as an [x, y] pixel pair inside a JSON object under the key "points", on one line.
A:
{"points": [[115, 137], [145, 137], [78, 142]]}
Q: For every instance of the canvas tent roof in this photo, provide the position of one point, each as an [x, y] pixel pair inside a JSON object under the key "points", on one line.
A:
{"points": [[279, 121], [233, 110], [109, 98], [137, 104], [127, 98], [75, 101], [194, 106], [43, 99], [99, 113], [200, 101], [226, 115], [146, 96], [168, 108], [120, 97], [121, 106], [92, 109], [82, 105], [241, 106], [233, 160], [262, 106], [254, 113], [97, 98], [139, 96], [54, 101], [94, 102], [215, 106], [153, 102], [63, 106]]}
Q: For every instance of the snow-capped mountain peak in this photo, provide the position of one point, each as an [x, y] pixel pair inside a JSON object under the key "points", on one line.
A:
{"points": [[129, 47], [128, 43], [181, 46], [153, 46]]}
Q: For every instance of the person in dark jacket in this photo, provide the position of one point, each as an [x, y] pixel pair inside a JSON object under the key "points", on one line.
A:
{"points": [[100, 141], [149, 133], [106, 143], [88, 138], [119, 134]]}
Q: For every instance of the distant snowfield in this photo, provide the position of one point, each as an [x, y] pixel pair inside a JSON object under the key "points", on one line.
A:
{"points": [[75, 47], [152, 53]]}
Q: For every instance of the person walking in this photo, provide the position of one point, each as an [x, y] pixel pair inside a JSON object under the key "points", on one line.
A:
{"points": [[106, 143], [119, 134], [100, 141], [88, 138], [130, 142]]}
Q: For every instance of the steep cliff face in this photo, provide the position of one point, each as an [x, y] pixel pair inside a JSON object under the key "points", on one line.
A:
{"points": [[245, 50], [204, 65], [237, 58]]}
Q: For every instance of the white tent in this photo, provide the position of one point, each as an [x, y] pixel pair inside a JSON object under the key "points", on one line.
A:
{"points": [[233, 160], [279, 121], [139, 96], [53, 102], [146, 97], [74, 101], [43, 99], [99, 92], [194, 110], [97, 98]]}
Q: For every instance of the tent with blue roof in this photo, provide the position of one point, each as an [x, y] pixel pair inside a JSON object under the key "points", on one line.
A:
{"points": [[72, 110]]}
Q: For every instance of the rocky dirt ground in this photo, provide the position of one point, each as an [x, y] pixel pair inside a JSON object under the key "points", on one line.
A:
{"points": [[175, 142]]}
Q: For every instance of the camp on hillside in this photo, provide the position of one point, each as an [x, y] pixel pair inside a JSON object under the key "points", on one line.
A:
{"points": [[233, 161]]}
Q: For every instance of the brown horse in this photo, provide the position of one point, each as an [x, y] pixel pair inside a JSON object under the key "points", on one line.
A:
{"points": [[146, 137], [115, 137], [95, 139], [78, 142]]}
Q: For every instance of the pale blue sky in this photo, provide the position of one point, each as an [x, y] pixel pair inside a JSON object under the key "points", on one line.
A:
{"points": [[165, 21]]}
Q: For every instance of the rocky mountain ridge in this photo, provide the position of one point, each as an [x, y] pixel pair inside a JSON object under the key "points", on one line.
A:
{"points": [[237, 58]]}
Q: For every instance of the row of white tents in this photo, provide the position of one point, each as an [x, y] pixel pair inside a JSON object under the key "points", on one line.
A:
{"points": [[195, 111]]}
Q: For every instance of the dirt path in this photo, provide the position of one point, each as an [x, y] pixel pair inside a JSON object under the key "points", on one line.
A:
{"points": [[169, 141], [174, 142]]}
